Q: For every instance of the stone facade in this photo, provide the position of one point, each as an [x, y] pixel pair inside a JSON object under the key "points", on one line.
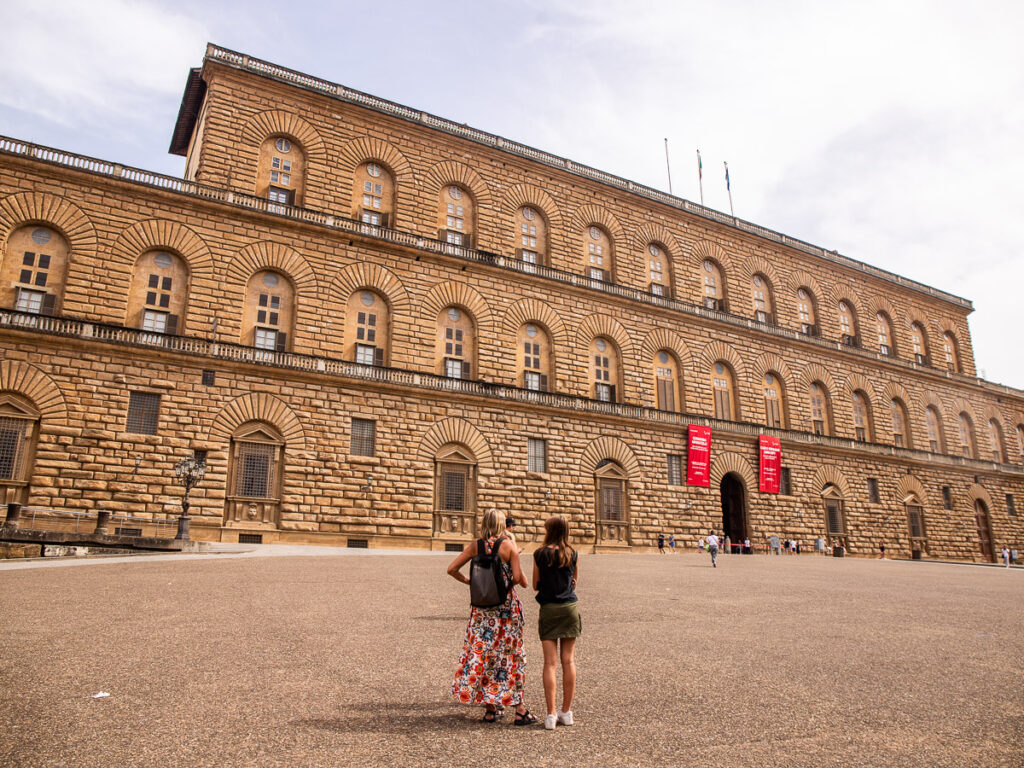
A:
{"points": [[276, 422]]}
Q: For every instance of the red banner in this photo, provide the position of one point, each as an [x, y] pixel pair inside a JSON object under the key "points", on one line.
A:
{"points": [[698, 456], [771, 464]]}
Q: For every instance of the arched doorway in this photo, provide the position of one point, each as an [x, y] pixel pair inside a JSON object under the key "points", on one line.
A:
{"points": [[984, 531], [734, 508]]}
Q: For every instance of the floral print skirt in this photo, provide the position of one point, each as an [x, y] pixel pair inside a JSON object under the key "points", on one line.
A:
{"points": [[492, 669]]}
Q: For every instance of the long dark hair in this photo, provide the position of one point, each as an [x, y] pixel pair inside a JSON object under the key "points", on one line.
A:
{"points": [[556, 535]]}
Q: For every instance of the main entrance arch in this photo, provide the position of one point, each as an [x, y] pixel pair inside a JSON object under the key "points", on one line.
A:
{"points": [[734, 508]]}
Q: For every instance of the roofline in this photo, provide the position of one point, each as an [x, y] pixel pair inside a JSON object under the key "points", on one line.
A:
{"points": [[188, 112], [272, 71]]}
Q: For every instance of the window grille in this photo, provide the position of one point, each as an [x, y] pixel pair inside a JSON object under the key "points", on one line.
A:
{"points": [[363, 437], [785, 482], [453, 488], [947, 497], [255, 477], [537, 460], [873, 495], [834, 515], [611, 500], [916, 521], [143, 411], [1011, 510], [675, 469], [12, 447], [209, 378]]}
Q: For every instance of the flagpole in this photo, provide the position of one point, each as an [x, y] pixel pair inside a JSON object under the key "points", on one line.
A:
{"points": [[668, 168], [728, 188], [700, 177]]}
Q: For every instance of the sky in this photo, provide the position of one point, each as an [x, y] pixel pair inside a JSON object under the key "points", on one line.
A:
{"points": [[889, 131]]}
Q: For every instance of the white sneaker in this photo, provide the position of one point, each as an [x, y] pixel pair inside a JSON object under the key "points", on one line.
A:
{"points": [[549, 722], [565, 718]]}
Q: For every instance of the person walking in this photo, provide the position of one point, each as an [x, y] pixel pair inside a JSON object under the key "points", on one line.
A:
{"points": [[510, 532], [555, 574], [1006, 556], [713, 549], [672, 543], [492, 668], [661, 543]]}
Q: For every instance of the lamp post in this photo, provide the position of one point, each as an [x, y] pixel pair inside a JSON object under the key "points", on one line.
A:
{"points": [[189, 472]]}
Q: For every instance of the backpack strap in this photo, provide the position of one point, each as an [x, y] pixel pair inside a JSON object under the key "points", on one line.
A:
{"points": [[480, 543]]}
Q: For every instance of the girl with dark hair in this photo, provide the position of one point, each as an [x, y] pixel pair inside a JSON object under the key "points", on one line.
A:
{"points": [[556, 569]]}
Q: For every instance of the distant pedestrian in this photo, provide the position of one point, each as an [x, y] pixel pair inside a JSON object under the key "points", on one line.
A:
{"points": [[672, 543], [713, 549], [492, 669], [555, 574], [700, 544], [797, 545], [510, 532], [882, 548], [661, 543], [774, 544], [746, 546], [1006, 556]]}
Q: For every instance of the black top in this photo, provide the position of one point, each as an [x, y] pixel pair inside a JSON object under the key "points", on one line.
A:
{"points": [[554, 584]]}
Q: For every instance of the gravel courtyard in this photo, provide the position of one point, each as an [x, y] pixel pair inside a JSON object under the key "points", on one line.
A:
{"points": [[341, 659]]}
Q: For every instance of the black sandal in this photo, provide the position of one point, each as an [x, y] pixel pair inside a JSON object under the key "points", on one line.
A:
{"points": [[525, 718], [490, 716]]}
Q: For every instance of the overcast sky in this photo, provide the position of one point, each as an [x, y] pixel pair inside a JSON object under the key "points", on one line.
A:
{"points": [[890, 130]]}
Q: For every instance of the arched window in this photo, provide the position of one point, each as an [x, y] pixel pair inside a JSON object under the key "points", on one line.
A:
{"points": [[159, 290], [848, 325], [34, 270], [611, 492], [951, 352], [774, 407], [764, 302], [714, 286], [933, 421], [254, 476], [455, 217], [886, 345], [966, 433], [666, 380], [455, 484], [533, 236], [915, 522], [900, 424], [281, 175], [534, 358], [604, 370], [373, 195], [19, 434], [598, 261], [269, 311], [863, 425], [807, 311], [659, 270], [723, 385], [835, 515], [995, 440], [456, 343], [821, 416], [919, 342], [367, 328]]}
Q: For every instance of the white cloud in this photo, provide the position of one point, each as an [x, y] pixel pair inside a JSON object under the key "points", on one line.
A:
{"points": [[101, 62]]}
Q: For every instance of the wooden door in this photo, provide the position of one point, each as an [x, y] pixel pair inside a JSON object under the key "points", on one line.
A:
{"points": [[984, 531]]}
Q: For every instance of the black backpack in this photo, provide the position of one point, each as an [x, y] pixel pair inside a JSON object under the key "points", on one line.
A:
{"points": [[487, 588]]}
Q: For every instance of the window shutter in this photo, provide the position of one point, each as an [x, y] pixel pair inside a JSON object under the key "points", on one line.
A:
{"points": [[49, 305], [442, 235], [611, 390], [282, 342], [385, 219], [666, 395], [291, 197], [171, 329], [467, 241], [543, 382], [519, 254], [378, 356], [465, 369]]}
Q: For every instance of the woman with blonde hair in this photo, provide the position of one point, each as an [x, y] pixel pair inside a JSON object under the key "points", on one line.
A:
{"points": [[555, 573], [492, 669]]}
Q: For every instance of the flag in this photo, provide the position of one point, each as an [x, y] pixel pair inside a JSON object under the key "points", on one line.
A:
{"points": [[727, 177], [700, 167]]}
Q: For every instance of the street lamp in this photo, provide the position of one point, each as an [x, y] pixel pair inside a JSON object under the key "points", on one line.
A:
{"points": [[189, 472]]}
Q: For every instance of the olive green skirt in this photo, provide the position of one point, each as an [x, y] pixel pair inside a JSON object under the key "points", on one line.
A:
{"points": [[559, 620]]}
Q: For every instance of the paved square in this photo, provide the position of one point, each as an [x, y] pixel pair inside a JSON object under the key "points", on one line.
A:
{"points": [[252, 660]]}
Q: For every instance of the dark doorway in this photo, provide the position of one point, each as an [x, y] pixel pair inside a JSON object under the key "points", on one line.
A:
{"points": [[734, 511], [984, 531]]}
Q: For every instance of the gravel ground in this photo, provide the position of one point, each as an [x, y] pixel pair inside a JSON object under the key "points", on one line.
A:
{"points": [[247, 660]]}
